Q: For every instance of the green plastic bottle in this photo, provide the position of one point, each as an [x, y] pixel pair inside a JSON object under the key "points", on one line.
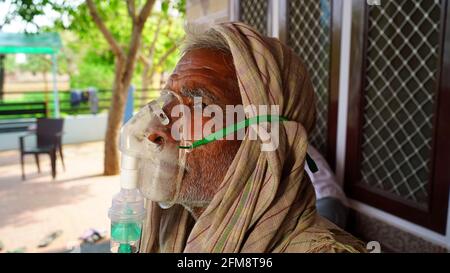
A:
{"points": [[127, 215]]}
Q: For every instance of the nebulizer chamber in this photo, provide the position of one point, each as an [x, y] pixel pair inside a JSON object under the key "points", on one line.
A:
{"points": [[148, 170], [127, 211]]}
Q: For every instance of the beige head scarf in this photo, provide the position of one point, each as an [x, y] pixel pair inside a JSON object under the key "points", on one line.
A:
{"points": [[266, 202]]}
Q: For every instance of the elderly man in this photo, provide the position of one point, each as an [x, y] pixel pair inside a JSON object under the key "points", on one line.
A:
{"points": [[233, 196]]}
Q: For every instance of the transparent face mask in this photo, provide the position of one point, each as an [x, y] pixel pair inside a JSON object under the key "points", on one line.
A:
{"points": [[161, 162]]}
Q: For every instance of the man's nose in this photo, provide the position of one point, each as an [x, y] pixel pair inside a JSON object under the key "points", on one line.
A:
{"points": [[159, 135]]}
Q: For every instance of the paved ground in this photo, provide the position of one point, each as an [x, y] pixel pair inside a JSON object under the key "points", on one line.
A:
{"points": [[78, 199]]}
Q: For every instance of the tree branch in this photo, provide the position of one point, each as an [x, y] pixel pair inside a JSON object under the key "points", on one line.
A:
{"points": [[166, 55], [151, 50], [136, 37], [131, 9], [117, 50], [143, 59], [162, 60], [145, 12]]}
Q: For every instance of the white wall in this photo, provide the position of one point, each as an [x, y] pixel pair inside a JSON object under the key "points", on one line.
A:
{"points": [[77, 129], [84, 128]]}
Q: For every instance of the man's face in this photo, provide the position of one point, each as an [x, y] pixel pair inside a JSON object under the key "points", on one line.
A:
{"points": [[209, 74]]}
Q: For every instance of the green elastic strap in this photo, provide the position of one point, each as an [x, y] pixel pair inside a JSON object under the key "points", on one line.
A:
{"points": [[240, 125]]}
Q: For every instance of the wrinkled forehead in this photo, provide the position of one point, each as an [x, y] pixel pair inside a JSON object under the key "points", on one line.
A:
{"points": [[213, 60], [207, 69]]}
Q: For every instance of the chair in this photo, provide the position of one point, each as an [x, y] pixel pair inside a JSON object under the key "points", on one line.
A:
{"points": [[49, 141]]}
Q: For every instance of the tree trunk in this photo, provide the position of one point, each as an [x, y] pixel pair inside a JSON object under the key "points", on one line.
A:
{"points": [[115, 117], [125, 63], [111, 162], [122, 80]]}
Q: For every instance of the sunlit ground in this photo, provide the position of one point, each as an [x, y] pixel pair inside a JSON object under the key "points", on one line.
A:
{"points": [[78, 199]]}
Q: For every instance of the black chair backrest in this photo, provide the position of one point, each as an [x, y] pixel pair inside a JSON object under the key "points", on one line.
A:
{"points": [[47, 130]]}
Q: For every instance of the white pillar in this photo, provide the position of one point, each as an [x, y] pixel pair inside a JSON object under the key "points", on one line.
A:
{"points": [[233, 10], [344, 83], [277, 19]]}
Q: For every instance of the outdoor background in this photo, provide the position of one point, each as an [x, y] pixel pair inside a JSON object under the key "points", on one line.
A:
{"points": [[70, 213]]}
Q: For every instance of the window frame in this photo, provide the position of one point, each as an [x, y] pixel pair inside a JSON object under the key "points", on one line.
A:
{"points": [[434, 216], [334, 70]]}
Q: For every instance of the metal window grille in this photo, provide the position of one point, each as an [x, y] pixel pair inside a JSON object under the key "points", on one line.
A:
{"points": [[309, 37], [399, 94], [255, 13]]}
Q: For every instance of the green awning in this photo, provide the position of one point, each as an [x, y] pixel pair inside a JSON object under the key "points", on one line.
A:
{"points": [[39, 43]]}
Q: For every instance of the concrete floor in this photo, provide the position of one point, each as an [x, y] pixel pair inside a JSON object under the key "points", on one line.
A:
{"points": [[78, 199]]}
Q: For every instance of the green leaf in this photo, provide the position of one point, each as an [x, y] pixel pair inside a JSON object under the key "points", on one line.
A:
{"points": [[165, 7]]}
